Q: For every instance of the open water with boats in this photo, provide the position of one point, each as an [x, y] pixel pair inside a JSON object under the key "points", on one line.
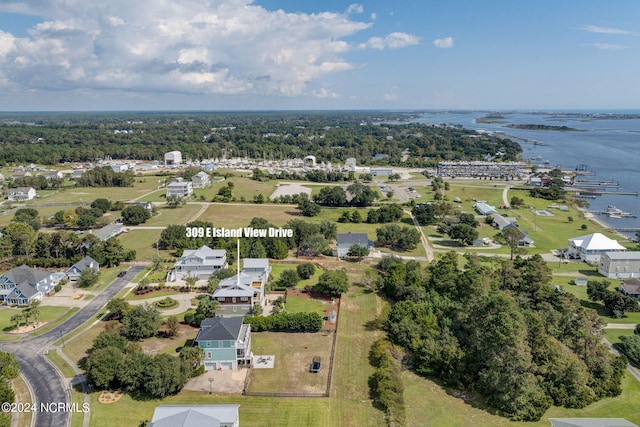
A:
{"points": [[606, 143]]}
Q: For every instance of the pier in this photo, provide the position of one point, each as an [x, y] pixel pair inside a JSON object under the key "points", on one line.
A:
{"points": [[590, 193]]}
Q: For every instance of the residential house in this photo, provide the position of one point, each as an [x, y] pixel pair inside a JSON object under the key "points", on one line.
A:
{"points": [[53, 175], [484, 209], [108, 231], [620, 265], [524, 239], [74, 272], [180, 188], [23, 284], [147, 205], [346, 240], [591, 246], [21, 194], [200, 263], [591, 422], [238, 294], [226, 342], [20, 174], [500, 222], [195, 416], [200, 180], [631, 288]]}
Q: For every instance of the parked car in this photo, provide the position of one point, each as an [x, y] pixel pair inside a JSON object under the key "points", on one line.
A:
{"points": [[122, 274], [316, 364]]}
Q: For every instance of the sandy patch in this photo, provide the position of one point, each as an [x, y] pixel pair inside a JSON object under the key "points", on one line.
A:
{"points": [[27, 328], [290, 189]]}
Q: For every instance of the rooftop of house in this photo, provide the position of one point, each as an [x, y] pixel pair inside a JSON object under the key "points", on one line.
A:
{"points": [[26, 274], [194, 415], [596, 241], [352, 239], [220, 329]]}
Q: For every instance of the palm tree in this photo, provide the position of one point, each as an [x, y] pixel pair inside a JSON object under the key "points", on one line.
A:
{"points": [[35, 309], [17, 319]]}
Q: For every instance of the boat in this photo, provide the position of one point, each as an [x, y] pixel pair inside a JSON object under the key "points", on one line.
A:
{"points": [[614, 212]]}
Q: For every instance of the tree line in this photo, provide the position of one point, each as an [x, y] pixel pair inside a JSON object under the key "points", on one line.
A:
{"points": [[330, 136], [500, 330]]}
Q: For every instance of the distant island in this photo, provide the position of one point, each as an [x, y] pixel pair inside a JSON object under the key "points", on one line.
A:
{"points": [[491, 118], [532, 126]]}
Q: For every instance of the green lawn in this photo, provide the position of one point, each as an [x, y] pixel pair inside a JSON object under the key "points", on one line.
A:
{"points": [[64, 367], [299, 304], [47, 314], [167, 216], [254, 411], [429, 404], [613, 335], [144, 243], [293, 355]]}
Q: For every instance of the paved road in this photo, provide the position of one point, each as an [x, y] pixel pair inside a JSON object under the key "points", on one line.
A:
{"points": [[47, 382]]}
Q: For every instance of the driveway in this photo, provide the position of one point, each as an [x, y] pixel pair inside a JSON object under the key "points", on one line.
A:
{"points": [[229, 381]]}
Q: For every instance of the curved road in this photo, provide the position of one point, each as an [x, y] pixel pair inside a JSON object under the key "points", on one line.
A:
{"points": [[47, 382]]}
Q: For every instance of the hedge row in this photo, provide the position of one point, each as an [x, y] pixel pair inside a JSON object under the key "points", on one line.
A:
{"points": [[286, 322]]}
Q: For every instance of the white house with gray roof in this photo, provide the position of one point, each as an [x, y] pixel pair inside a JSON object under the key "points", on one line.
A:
{"points": [[195, 416], [591, 246], [21, 285], [74, 272], [21, 194], [199, 263], [346, 240], [180, 188], [201, 180]]}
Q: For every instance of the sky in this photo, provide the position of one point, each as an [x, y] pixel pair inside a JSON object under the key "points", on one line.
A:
{"points": [[77, 55]]}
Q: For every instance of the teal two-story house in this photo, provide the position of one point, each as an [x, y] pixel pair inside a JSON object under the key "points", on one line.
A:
{"points": [[226, 342]]}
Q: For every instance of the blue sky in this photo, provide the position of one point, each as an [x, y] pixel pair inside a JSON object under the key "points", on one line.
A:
{"points": [[292, 54]]}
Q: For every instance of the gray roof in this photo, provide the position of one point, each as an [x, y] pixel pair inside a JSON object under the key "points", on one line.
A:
{"points": [[353, 239], [262, 263], [27, 290], [26, 274], [219, 329], [194, 415], [634, 255], [108, 231], [84, 263], [591, 422]]}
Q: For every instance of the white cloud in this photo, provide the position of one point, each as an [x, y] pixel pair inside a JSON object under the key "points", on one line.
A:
{"points": [[373, 16], [445, 43], [324, 93], [392, 95], [355, 8], [189, 46], [392, 41], [609, 46], [606, 30]]}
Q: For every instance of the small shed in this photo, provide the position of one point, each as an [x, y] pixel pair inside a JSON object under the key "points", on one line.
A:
{"points": [[580, 281]]}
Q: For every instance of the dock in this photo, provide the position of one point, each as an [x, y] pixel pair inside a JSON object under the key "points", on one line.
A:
{"points": [[588, 193]]}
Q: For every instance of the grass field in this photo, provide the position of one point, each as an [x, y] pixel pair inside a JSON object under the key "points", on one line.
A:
{"points": [[64, 367], [613, 335], [143, 241], [47, 314], [293, 355], [429, 404], [167, 216], [298, 304], [22, 395]]}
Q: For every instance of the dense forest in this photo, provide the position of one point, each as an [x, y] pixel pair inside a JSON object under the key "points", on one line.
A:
{"points": [[330, 136], [499, 329]]}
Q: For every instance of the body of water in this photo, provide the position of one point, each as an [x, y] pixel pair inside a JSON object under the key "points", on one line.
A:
{"points": [[608, 144]]}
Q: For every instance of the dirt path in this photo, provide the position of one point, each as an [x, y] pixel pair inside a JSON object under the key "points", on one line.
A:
{"points": [[505, 196], [423, 238]]}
